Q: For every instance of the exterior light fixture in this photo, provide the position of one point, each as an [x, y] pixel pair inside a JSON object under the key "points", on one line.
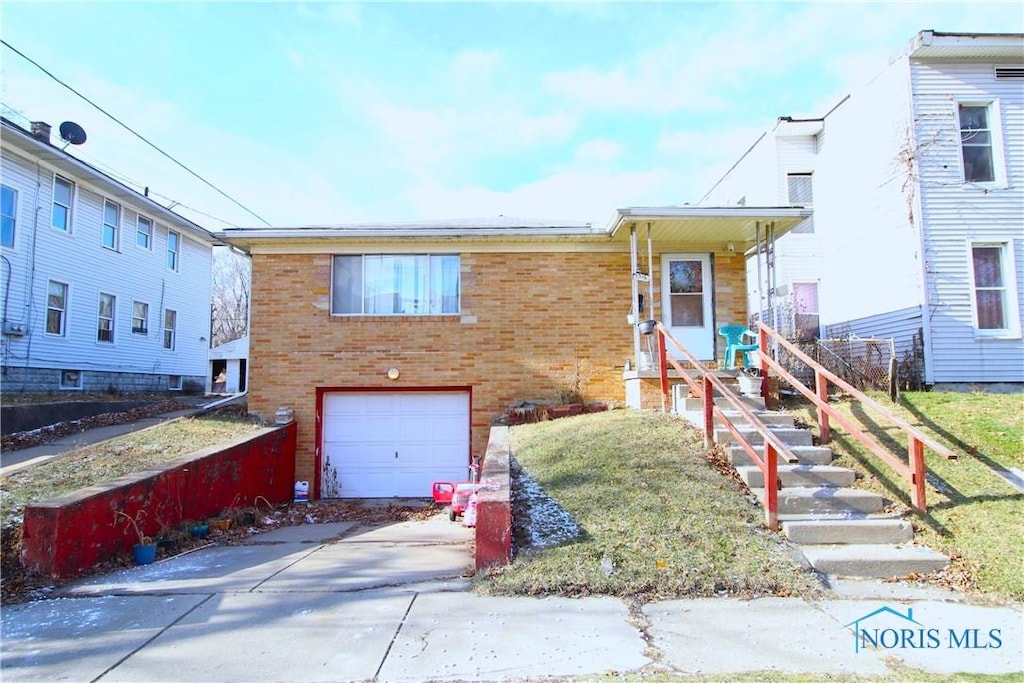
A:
{"points": [[393, 373]]}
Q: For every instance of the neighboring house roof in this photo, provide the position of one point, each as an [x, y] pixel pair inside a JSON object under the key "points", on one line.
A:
{"points": [[16, 137], [690, 223], [938, 45], [237, 348]]}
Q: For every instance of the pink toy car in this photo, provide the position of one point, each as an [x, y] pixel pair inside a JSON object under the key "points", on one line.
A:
{"points": [[455, 496]]}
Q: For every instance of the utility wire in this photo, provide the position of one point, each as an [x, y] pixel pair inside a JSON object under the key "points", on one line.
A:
{"points": [[139, 136]]}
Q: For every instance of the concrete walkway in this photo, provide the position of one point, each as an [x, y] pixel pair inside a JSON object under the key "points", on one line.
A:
{"points": [[12, 461], [347, 602]]}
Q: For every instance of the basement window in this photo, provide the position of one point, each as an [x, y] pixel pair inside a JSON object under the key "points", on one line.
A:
{"points": [[71, 379], [398, 284]]}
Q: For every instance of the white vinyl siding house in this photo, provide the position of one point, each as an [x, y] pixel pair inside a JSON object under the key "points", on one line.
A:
{"points": [[918, 216], [84, 306]]}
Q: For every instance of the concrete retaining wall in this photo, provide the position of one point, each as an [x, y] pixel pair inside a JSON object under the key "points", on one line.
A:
{"points": [[64, 536], [494, 505], [21, 418]]}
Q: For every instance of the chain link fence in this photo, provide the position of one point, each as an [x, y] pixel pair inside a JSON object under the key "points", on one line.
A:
{"points": [[863, 363]]}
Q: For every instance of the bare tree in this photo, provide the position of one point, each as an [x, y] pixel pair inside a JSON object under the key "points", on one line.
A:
{"points": [[229, 318]]}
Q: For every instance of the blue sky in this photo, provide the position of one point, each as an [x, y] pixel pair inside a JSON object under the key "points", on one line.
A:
{"points": [[318, 113]]}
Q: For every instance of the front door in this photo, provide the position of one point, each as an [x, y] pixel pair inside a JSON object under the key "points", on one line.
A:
{"points": [[686, 295]]}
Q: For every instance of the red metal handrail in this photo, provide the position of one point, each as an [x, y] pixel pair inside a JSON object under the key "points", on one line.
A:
{"points": [[916, 441], [773, 446]]}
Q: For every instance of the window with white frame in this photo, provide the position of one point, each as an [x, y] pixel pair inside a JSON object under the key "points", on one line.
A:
{"points": [[174, 382], [70, 379], [8, 214], [399, 284], [170, 324], [173, 250], [144, 232], [980, 141], [995, 294], [111, 223], [105, 318], [63, 196], [140, 317], [56, 307]]}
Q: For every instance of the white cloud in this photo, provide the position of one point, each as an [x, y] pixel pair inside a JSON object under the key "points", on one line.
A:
{"points": [[473, 69], [599, 151]]}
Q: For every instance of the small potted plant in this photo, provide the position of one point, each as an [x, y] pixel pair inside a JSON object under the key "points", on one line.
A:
{"points": [[648, 326], [199, 530], [144, 551], [750, 383]]}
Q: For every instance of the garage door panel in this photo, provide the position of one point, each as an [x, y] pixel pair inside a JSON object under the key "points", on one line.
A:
{"points": [[362, 432]]}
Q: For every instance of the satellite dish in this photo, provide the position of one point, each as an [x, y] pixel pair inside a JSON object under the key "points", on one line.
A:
{"points": [[72, 133]]}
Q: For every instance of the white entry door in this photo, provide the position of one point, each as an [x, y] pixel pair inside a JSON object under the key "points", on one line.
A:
{"points": [[686, 295], [393, 444]]}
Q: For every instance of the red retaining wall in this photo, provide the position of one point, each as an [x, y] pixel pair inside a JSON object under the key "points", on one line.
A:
{"points": [[64, 536], [494, 505]]}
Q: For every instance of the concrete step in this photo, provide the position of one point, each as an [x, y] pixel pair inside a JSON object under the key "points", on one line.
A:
{"points": [[864, 531], [824, 499], [696, 405], [794, 476], [805, 455], [788, 435], [873, 561], [696, 417]]}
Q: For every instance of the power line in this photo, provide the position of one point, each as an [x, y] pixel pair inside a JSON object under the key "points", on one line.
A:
{"points": [[139, 136]]}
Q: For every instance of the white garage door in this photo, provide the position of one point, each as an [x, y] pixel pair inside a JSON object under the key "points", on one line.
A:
{"points": [[384, 444]]}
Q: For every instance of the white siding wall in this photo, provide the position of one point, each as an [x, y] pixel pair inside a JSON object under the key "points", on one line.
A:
{"points": [[861, 212], [131, 273], [956, 213]]}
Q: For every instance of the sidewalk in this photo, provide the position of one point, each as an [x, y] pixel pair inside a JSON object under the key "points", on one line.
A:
{"points": [[341, 602]]}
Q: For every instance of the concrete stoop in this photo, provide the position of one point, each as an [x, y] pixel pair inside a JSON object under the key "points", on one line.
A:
{"points": [[841, 531]]}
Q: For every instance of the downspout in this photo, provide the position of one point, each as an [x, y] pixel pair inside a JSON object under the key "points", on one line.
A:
{"points": [[32, 272]]}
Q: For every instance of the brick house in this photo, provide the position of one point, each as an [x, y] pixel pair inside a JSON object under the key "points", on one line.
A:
{"points": [[397, 345]]}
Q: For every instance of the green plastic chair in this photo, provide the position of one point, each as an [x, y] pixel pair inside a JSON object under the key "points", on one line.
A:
{"points": [[734, 345]]}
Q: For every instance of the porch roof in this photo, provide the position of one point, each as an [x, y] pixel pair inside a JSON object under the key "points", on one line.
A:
{"points": [[707, 224]]}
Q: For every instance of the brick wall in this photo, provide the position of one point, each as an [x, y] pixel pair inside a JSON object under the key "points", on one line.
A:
{"points": [[527, 320]]}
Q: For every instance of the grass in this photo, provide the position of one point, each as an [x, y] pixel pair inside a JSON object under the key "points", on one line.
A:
{"points": [[973, 514], [648, 501], [102, 462]]}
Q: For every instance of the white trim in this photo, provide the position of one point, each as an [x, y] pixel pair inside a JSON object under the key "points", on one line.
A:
{"points": [[164, 329], [362, 296], [172, 385], [995, 123], [1008, 268], [702, 339]]}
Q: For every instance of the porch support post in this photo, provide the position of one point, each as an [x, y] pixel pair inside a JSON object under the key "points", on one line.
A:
{"points": [[635, 288], [760, 288], [650, 267]]}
